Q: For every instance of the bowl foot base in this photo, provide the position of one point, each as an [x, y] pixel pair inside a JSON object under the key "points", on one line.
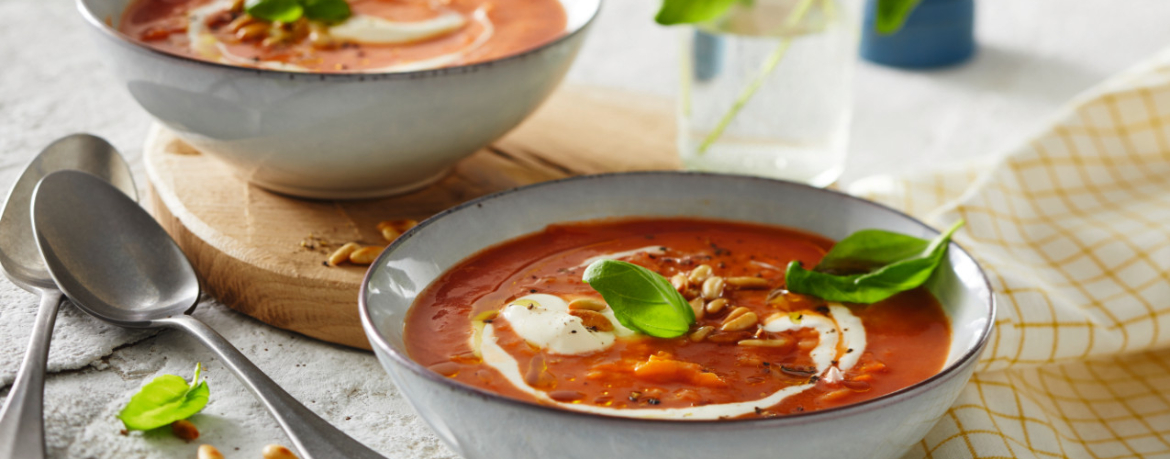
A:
{"points": [[363, 193]]}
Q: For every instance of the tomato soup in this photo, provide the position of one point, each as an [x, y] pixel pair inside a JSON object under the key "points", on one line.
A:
{"points": [[379, 35], [518, 320]]}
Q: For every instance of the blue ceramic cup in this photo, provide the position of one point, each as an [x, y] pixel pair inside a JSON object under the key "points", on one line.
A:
{"points": [[937, 33]]}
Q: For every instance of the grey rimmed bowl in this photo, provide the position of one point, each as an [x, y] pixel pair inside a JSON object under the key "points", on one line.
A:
{"points": [[480, 424], [337, 136]]}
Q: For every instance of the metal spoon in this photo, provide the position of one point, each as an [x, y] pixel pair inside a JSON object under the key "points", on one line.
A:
{"points": [[116, 263], [22, 431]]}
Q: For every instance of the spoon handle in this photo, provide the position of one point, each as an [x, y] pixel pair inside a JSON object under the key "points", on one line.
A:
{"points": [[313, 437], [22, 424]]}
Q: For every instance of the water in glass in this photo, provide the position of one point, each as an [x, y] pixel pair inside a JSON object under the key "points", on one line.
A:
{"points": [[766, 90]]}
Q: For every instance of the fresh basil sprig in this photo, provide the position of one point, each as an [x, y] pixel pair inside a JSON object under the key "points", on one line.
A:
{"points": [[291, 10], [890, 15], [326, 10], [641, 299], [691, 11], [870, 266], [165, 399]]}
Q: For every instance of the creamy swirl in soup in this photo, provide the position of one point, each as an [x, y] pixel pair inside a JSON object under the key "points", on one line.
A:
{"points": [[379, 35]]}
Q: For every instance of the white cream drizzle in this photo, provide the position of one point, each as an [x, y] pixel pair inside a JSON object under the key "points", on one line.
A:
{"points": [[826, 350], [544, 321], [830, 329], [479, 15], [650, 249], [853, 334], [361, 28]]}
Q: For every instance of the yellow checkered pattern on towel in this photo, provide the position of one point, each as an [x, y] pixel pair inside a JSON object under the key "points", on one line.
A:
{"points": [[1073, 229]]}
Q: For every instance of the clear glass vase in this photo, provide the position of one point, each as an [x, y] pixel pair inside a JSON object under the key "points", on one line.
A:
{"points": [[767, 90]]}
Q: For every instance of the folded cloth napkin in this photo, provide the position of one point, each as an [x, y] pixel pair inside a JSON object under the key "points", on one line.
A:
{"points": [[1073, 229]]}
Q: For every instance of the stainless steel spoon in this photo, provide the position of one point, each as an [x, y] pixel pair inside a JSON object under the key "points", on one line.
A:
{"points": [[22, 431], [115, 262]]}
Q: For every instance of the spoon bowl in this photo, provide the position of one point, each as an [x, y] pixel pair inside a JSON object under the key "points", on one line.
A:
{"points": [[124, 277], [83, 152], [114, 261], [22, 431]]}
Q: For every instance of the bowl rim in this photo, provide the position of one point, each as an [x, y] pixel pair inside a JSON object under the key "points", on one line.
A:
{"points": [[110, 32], [947, 373]]}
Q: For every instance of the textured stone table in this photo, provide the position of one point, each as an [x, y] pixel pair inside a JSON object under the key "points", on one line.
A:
{"points": [[1034, 56]]}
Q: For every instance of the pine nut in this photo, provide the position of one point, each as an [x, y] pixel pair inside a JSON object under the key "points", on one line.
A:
{"points": [[779, 342], [679, 281], [185, 430], [736, 313], [341, 255], [278, 452], [593, 320], [691, 293], [697, 306], [240, 22], [391, 229], [699, 274], [713, 287], [365, 255], [390, 234], [717, 305], [742, 322], [588, 304], [319, 37], [299, 29], [748, 283], [701, 333], [253, 31], [209, 452]]}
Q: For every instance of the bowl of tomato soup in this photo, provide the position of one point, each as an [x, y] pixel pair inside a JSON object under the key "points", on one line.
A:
{"points": [[492, 321], [381, 102]]}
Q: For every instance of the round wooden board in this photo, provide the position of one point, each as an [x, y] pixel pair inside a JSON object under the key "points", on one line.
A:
{"points": [[261, 253]]}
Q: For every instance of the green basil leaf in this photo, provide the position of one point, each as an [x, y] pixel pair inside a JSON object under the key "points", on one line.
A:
{"points": [[891, 15], [275, 10], [867, 250], [326, 10], [165, 399], [641, 299], [691, 11], [894, 263]]}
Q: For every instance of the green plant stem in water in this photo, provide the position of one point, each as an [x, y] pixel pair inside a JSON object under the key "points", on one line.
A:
{"points": [[766, 70]]}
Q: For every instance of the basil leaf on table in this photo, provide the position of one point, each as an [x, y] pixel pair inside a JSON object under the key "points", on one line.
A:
{"points": [[326, 10], [641, 299], [275, 10], [891, 15], [165, 399], [888, 263]]}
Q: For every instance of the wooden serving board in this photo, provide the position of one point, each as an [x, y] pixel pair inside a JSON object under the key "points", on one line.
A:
{"points": [[261, 253]]}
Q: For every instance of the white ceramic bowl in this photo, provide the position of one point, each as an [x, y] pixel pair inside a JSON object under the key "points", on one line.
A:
{"points": [[480, 424], [337, 135]]}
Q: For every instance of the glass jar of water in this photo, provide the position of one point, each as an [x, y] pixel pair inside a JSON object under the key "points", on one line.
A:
{"points": [[767, 90]]}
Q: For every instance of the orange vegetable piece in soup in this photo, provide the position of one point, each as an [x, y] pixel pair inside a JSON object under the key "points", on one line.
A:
{"points": [[516, 319], [379, 36]]}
